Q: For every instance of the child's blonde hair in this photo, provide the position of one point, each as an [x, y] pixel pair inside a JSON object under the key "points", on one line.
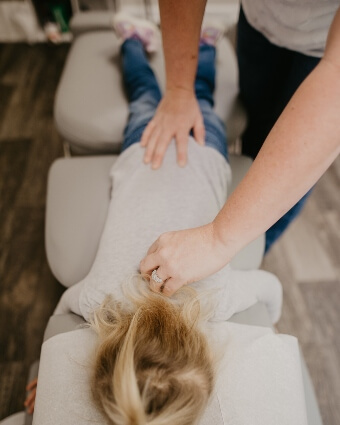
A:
{"points": [[153, 365]]}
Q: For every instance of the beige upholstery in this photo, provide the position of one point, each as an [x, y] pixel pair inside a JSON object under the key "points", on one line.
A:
{"points": [[90, 112], [77, 203], [94, 20], [16, 419], [256, 315], [78, 197], [91, 108]]}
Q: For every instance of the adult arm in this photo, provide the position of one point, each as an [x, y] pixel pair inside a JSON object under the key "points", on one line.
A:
{"points": [[178, 111], [302, 144]]}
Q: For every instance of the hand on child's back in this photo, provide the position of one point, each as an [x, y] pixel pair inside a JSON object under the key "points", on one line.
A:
{"points": [[177, 113]]}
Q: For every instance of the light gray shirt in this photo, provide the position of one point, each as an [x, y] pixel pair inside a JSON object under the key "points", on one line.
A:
{"points": [[146, 203], [299, 25]]}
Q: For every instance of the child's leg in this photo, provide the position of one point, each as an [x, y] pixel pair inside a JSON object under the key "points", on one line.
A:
{"points": [[205, 76], [142, 90], [215, 133]]}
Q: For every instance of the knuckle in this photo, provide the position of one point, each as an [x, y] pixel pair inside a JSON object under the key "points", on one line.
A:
{"points": [[182, 134], [172, 271], [152, 286], [163, 254], [167, 291], [171, 267], [151, 146], [161, 148], [182, 143], [163, 238], [157, 157], [180, 277]]}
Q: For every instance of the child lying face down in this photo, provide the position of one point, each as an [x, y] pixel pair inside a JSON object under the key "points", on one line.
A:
{"points": [[153, 363]]}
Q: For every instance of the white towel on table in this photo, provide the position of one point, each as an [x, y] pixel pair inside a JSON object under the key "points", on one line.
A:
{"points": [[259, 379]]}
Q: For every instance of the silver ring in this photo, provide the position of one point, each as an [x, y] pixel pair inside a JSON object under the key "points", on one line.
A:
{"points": [[155, 277]]}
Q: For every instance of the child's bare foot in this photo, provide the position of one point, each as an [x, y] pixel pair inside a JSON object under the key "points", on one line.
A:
{"points": [[146, 32], [30, 400]]}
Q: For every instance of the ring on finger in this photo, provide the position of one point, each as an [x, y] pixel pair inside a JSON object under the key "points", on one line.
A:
{"points": [[156, 278]]}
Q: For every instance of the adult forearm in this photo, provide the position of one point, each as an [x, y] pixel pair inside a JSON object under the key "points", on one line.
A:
{"points": [[300, 147], [181, 23]]}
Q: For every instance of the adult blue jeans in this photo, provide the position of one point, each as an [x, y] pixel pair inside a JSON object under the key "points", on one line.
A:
{"points": [[144, 94], [269, 76]]}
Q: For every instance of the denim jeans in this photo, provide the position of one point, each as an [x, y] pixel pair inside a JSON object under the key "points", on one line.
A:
{"points": [[269, 76], [144, 94]]}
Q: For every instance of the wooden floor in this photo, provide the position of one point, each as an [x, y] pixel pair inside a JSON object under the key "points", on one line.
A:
{"points": [[306, 259], [28, 146]]}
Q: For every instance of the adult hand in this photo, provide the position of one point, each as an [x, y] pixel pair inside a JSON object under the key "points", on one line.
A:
{"points": [[177, 113], [184, 257]]}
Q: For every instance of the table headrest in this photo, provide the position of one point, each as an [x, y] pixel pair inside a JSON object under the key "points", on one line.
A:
{"points": [[259, 379]]}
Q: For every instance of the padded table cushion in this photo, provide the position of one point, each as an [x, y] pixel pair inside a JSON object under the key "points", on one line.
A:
{"points": [[16, 419], [78, 197], [259, 381], [91, 108], [92, 20], [255, 315]]}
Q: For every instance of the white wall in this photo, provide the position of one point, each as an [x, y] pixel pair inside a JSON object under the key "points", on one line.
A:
{"points": [[224, 10], [18, 21]]}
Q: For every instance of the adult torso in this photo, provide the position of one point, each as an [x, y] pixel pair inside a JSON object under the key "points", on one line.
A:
{"points": [[299, 25]]}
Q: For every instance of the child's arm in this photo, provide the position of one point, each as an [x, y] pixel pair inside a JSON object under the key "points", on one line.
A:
{"points": [[245, 288], [69, 302]]}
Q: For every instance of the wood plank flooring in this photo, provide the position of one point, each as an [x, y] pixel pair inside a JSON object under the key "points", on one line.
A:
{"points": [[306, 259], [28, 146]]}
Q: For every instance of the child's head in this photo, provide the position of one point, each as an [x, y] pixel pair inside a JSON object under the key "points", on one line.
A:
{"points": [[153, 365]]}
